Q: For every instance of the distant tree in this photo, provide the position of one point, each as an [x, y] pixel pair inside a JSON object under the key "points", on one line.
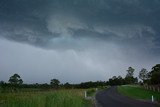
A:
{"points": [[143, 74], [136, 80], [15, 80], [119, 77], [116, 81], [121, 80], [67, 85], [155, 74], [55, 83], [2, 86], [90, 84], [114, 77], [2, 83], [129, 79], [130, 72]]}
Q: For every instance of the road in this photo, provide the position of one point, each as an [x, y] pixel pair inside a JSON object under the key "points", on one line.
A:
{"points": [[111, 98]]}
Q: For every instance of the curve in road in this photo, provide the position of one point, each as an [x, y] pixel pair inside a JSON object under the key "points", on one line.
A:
{"points": [[111, 98]]}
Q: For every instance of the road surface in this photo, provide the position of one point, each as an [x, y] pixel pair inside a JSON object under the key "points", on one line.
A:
{"points": [[111, 98]]}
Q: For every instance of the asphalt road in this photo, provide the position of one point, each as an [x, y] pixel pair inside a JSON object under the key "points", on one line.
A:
{"points": [[111, 98]]}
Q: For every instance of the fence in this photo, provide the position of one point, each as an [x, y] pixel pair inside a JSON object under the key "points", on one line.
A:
{"points": [[152, 87]]}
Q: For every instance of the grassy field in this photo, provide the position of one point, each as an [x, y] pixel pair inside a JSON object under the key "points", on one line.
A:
{"points": [[138, 92], [59, 98]]}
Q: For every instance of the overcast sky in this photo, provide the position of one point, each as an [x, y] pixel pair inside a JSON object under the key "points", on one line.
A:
{"points": [[77, 40]]}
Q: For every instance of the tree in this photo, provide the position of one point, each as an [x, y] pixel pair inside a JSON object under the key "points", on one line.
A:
{"points": [[55, 83], [129, 79], [116, 81], [143, 74], [155, 74], [130, 72], [156, 68], [67, 85], [2, 83], [15, 80]]}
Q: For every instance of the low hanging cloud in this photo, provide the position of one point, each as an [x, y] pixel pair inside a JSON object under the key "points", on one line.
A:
{"points": [[64, 25], [100, 37]]}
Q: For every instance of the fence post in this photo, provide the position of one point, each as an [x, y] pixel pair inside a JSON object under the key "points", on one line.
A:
{"points": [[152, 98], [85, 94]]}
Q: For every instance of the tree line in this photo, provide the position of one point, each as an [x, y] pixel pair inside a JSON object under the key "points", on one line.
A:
{"points": [[147, 77]]}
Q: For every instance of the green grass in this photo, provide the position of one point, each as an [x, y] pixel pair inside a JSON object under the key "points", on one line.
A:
{"points": [[59, 98], [91, 92], [138, 92]]}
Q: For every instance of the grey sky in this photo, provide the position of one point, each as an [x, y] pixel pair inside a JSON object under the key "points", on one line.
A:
{"points": [[77, 40]]}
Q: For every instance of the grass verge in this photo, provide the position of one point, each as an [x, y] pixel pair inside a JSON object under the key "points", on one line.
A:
{"points": [[91, 92], [138, 92]]}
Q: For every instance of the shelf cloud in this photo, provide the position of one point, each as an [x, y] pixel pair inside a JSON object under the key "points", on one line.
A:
{"points": [[93, 39]]}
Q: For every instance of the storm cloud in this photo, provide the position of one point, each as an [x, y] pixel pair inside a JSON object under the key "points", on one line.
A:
{"points": [[77, 40]]}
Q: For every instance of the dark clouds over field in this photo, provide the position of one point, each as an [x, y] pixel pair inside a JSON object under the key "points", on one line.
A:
{"points": [[77, 40]]}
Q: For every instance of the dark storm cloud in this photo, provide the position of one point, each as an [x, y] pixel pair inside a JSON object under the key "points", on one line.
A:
{"points": [[93, 39], [61, 23]]}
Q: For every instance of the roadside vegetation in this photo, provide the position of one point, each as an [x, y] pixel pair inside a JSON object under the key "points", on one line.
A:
{"points": [[91, 92], [56, 98], [148, 85], [138, 92]]}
